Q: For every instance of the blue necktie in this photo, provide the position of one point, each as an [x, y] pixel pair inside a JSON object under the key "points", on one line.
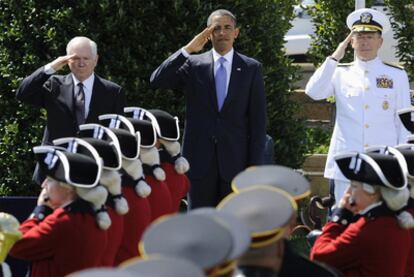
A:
{"points": [[221, 83]]}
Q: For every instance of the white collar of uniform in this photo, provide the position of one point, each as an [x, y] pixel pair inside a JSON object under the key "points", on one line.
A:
{"points": [[370, 207], [371, 64], [88, 83], [228, 56]]}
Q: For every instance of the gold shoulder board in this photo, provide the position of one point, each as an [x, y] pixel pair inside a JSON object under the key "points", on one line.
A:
{"points": [[395, 65]]}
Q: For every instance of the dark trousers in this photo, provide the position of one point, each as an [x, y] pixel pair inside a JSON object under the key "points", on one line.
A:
{"points": [[210, 190]]}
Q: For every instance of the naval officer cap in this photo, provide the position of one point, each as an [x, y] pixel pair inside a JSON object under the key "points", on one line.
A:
{"points": [[266, 210], [368, 20], [161, 266], [240, 235], [406, 116], [277, 176], [71, 168], [203, 240], [374, 168], [104, 272], [239, 230], [105, 142]]}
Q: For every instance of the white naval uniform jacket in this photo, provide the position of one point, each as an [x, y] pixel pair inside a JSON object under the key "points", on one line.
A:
{"points": [[367, 97]]}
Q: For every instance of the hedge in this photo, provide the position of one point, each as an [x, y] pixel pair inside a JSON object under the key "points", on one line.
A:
{"points": [[133, 38]]}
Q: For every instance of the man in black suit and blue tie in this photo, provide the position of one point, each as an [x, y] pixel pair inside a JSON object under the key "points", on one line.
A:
{"points": [[73, 99], [225, 108]]}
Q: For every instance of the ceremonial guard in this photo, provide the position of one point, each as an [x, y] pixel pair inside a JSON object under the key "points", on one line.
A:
{"points": [[62, 236], [160, 197], [364, 237], [368, 93], [172, 162], [107, 145], [298, 187], [134, 187]]}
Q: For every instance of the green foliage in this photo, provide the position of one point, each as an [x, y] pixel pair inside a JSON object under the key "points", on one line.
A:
{"points": [[403, 12], [317, 140], [329, 17], [133, 38]]}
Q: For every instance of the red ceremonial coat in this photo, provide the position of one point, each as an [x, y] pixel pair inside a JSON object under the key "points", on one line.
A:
{"points": [[160, 197], [375, 245], [135, 222], [115, 232], [410, 262], [178, 185], [67, 240]]}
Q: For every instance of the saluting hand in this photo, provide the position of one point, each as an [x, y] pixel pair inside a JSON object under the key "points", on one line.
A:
{"points": [[340, 50], [61, 61], [198, 42]]}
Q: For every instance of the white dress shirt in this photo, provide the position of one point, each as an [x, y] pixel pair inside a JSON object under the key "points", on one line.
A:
{"points": [[87, 89]]}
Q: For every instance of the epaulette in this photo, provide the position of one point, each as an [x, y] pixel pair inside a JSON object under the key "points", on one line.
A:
{"points": [[395, 65], [345, 64]]}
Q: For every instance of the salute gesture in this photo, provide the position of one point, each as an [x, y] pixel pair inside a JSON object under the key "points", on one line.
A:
{"points": [[198, 42], [61, 61], [340, 50]]}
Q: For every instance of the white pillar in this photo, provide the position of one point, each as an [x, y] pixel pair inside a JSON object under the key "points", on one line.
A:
{"points": [[359, 4]]}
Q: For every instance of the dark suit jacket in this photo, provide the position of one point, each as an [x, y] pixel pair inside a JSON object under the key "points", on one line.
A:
{"points": [[55, 94], [237, 131]]}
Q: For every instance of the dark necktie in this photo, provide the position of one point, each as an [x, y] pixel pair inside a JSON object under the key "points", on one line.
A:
{"points": [[221, 83], [80, 105]]}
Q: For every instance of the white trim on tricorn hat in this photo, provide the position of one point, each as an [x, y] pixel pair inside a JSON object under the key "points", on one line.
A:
{"points": [[120, 126], [368, 20], [355, 165], [72, 145], [406, 117], [98, 132], [54, 154], [138, 114], [115, 121], [383, 149], [277, 176], [165, 122], [407, 149]]}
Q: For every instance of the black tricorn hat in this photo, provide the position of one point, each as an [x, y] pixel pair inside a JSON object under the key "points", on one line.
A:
{"points": [[146, 130], [169, 128], [374, 168], [141, 118], [407, 118], [105, 142], [71, 168], [129, 139], [407, 150]]}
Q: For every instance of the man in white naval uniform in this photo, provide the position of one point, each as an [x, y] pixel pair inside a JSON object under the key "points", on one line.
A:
{"points": [[367, 93]]}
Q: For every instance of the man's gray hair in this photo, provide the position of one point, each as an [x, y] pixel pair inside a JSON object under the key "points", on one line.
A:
{"points": [[221, 12], [94, 47]]}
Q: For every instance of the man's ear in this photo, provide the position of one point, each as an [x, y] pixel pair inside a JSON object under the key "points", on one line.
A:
{"points": [[236, 32]]}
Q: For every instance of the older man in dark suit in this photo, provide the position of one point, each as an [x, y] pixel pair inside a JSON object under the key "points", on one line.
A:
{"points": [[73, 99], [225, 108]]}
